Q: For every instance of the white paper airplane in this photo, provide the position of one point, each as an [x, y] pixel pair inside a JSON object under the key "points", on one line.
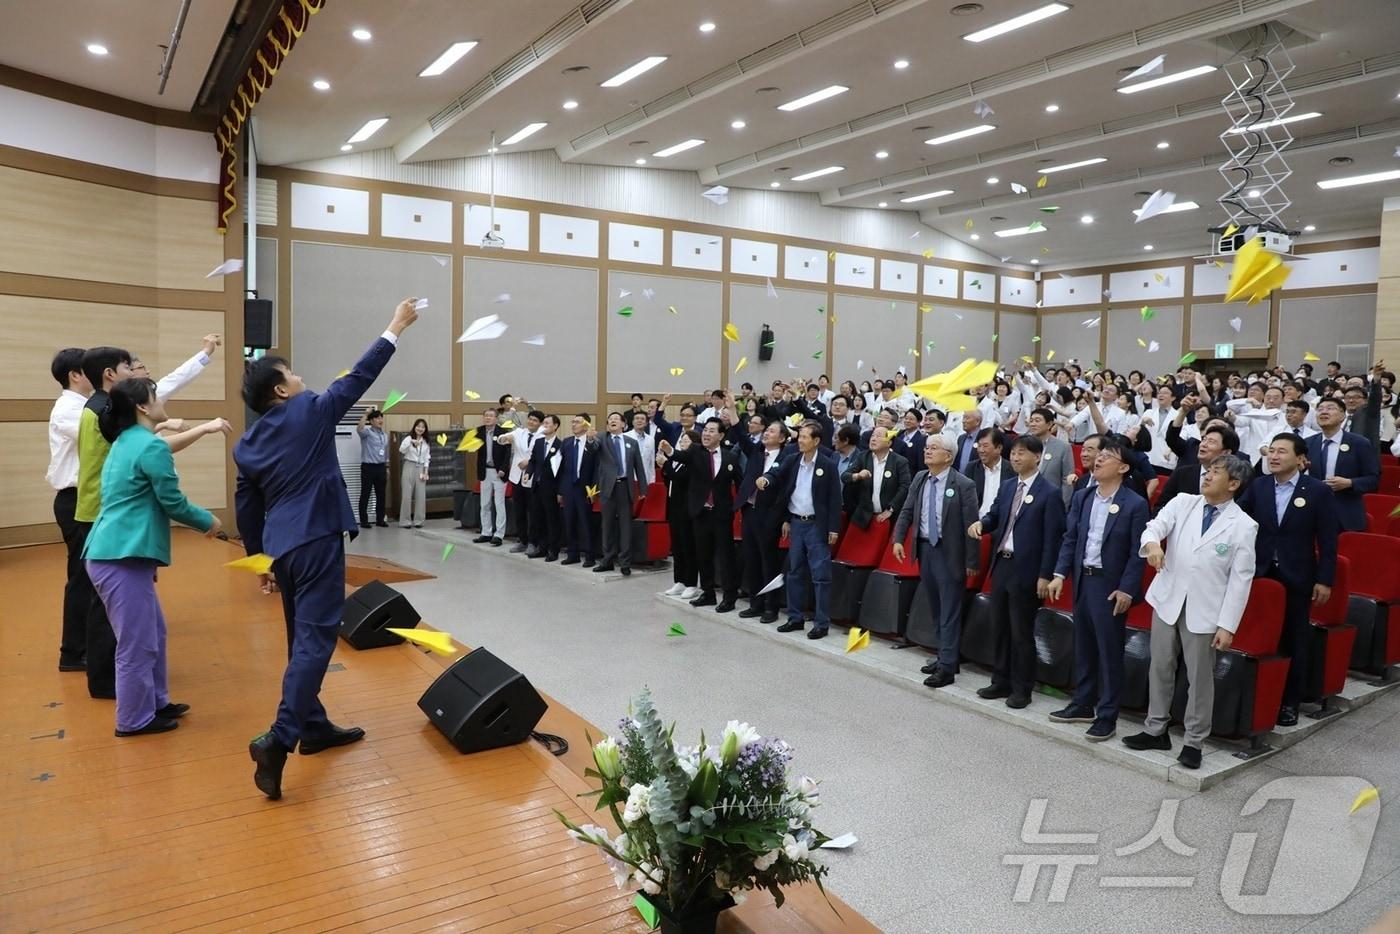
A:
{"points": [[772, 292], [843, 842], [536, 341], [1158, 202], [1236, 324], [1151, 68], [483, 329], [983, 110], [772, 585], [1153, 346], [441, 260], [623, 293], [1093, 322], [227, 268], [503, 297], [1107, 293], [420, 305], [648, 293], [718, 194], [1018, 188]]}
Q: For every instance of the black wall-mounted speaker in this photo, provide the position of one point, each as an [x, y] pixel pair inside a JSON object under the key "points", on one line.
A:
{"points": [[765, 343], [257, 323]]}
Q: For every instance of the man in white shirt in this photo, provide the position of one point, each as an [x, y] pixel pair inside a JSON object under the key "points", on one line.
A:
{"points": [[522, 440], [1198, 597], [1156, 420], [67, 369], [645, 433], [1258, 426], [1115, 419]]}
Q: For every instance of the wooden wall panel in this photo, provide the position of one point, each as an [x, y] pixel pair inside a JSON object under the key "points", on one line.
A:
{"points": [[71, 229], [24, 456], [162, 337]]}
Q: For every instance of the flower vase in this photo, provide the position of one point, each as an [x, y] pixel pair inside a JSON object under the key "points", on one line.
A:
{"points": [[697, 919]]}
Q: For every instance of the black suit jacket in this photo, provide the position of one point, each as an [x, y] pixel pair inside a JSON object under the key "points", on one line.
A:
{"points": [[610, 471], [1366, 421], [1357, 461], [1305, 543], [542, 473], [501, 456], [967, 445], [911, 451], [699, 485], [767, 509], [1039, 530], [1184, 479], [894, 486], [826, 488], [978, 475]]}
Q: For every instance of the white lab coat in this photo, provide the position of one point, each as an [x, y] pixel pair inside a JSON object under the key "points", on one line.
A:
{"points": [[1209, 575]]}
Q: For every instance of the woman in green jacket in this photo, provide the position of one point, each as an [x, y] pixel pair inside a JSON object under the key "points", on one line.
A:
{"points": [[128, 542]]}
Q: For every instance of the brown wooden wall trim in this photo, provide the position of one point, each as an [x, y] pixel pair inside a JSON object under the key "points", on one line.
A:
{"points": [[21, 536], [99, 100], [108, 293], [48, 164]]}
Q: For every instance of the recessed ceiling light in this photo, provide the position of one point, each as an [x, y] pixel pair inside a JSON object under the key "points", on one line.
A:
{"points": [[679, 147], [1310, 228], [1147, 247], [961, 134], [882, 154], [818, 173], [1052, 108], [993, 180], [1019, 231], [1175, 208], [775, 184], [814, 97], [528, 129], [1164, 145], [738, 124], [977, 236], [493, 150], [321, 84], [1340, 161], [627, 74], [1086, 219], [883, 204], [1016, 22], [364, 35], [369, 129], [570, 105], [447, 59], [1273, 123], [346, 148], [1035, 262], [996, 218], [1167, 79], [707, 27], [1052, 169], [640, 161], [901, 63], [1348, 181], [925, 197], [1253, 193], [97, 48]]}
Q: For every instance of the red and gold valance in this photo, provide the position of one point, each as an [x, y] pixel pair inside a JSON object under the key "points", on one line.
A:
{"points": [[284, 32]]}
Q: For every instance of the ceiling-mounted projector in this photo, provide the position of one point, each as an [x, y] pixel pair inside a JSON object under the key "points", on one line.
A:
{"points": [[493, 241]]}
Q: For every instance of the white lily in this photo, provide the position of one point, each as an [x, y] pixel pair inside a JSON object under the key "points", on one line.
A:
{"points": [[638, 804], [607, 757], [737, 737]]}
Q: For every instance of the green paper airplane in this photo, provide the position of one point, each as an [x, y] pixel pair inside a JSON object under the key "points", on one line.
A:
{"points": [[676, 630], [447, 550], [395, 397], [625, 311]]}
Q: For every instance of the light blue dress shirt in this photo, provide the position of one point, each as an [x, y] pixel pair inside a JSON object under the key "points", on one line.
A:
{"points": [[800, 503], [1098, 521], [932, 515], [1283, 492]]}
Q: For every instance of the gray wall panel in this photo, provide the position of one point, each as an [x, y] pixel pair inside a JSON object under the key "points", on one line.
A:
{"points": [[559, 302], [874, 330], [642, 349], [1125, 326], [1210, 325], [951, 329], [1014, 338], [1066, 335], [1320, 324], [797, 317], [342, 297], [267, 276]]}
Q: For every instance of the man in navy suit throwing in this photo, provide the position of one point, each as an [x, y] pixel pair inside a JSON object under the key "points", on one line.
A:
{"points": [[810, 490], [1296, 546], [1100, 558], [578, 469], [1346, 462], [1026, 522], [292, 505]]}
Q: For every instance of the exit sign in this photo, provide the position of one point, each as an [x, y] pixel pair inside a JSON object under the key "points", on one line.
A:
{"points": [[1224, 351]]}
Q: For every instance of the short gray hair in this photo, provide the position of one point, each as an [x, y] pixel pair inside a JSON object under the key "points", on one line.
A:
{"points": [[1237, 467], [940, 440]]}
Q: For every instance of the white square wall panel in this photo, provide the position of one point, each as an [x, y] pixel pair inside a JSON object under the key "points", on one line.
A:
{"points": [[1058, 290], [805, 264], [630, 243], [1020, 292], [1338, 267], [415, 218], [853, 270], [511, 225], [1148, 285], [1210, 279], [940, 281], [753, 258], [335, 210], [697, 250], [570, 236], [979, 286], [899, 276]]}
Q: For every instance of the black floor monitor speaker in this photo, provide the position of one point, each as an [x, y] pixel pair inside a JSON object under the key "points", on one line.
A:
{"points": [[370, 610], [482, 703]]}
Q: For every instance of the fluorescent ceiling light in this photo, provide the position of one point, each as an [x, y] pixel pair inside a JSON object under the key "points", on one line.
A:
{"points": [[829, 170], [1167, 79], [1349, 181], [1035, 262], [1310, 228], [447, 59], [97, 48], [814, 97], [1019, 231], [370, 128], [679, 147], [364, 35], [1253, 193], [1279, 122], [993, 180], [931, 194], [1147, 247], [570, 105], [961, 134], [1175, 208], [627, 74], [346, 148], [1052, 108], [1164, 145], [528, 129], [1016, 22], [1072, 165], [882, 154]]}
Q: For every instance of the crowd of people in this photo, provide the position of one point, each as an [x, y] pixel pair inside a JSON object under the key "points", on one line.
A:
{"points": [[1212, 481]]}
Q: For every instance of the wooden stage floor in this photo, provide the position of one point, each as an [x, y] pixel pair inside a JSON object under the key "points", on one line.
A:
{"points": [[398, 832]]}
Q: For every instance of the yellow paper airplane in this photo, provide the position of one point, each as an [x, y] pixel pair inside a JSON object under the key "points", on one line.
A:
{"points": [[1220, 264], [1158, 276], [928, 254], [439, 642], [948, 390], [914, 351], [795, 419], [831, 255], [856, 639], [1310, 357], [1230, 230], [442, 440], [470, 442], [257, 564], [1042, 181], [507, 425], [342, 373], [743, 362], [731, 333], [926, 308], [1050, 355], [592, 491], [1256, 272], [1366, 796], [677, 370], [470, 394], [1141, 342], [968, 223]]}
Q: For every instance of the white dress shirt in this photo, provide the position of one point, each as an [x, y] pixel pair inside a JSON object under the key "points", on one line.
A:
{"points": [[991, 483], [63, 440], [801, 502], [877, 477]]}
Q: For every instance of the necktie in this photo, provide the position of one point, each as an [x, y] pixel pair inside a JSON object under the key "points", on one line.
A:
{"points": [[1208, 518], [1320, 468], [621, 459], [1015, 511], [931, 524]]}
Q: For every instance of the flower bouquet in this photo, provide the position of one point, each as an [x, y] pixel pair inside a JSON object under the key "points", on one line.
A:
{"points": [[701, 826]]}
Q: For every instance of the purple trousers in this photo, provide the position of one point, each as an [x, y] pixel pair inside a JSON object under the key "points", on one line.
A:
{"points": [[127, 589]]}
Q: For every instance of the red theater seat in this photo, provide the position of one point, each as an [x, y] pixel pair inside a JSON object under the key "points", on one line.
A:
{"points": [[856, 557], [1374, 606], [1390, 480], [653, 508], [1379, 509], [1333, 640], [889, 592]]}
